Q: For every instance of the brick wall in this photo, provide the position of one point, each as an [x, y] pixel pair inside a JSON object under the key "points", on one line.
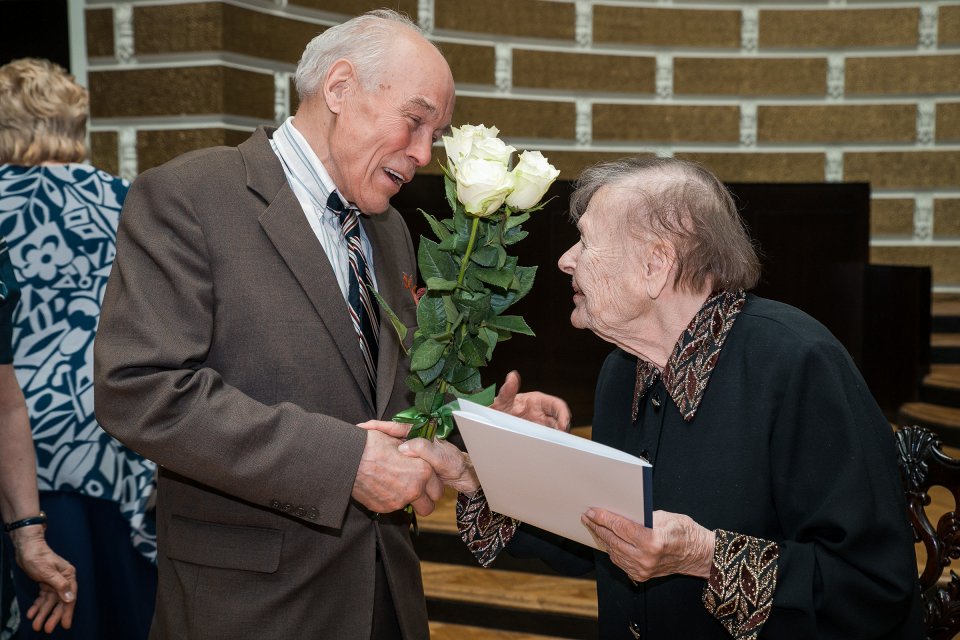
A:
{"points": [[832, 90]]}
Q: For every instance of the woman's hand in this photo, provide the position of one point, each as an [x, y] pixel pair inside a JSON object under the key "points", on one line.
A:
{"points": [[675, 544], [534, 406], [451, 465], [57, 579]]}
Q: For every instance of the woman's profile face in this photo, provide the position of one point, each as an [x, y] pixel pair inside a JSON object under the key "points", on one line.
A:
{"points": [[604, 266]]}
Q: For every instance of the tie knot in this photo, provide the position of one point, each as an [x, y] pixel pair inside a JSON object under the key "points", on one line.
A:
{"points": [[335, 204]]}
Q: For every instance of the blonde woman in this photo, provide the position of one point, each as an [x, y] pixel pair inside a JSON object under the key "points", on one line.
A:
{"points": [[59, 216]]}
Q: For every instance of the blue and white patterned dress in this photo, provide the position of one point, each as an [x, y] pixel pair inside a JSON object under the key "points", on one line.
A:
{"points": [[60, 222]]}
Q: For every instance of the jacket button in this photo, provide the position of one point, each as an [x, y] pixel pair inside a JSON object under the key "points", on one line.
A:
{"points": [[299, 512], [656, 402], [312, 513], [275, 504], [286, 507], [645, 454], [634, 629]]}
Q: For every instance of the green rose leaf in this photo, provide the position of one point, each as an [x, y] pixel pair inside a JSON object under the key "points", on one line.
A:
{"points": [[441, 284], [427, 355], [490, 337], [472, 351], [398, 325], [502, 278], [434, 262], [431, 316], [475, 305], [516, 220], [514, 236], [427, 376], [525, 277], [486, 256], [441, 231], [515, 324]]}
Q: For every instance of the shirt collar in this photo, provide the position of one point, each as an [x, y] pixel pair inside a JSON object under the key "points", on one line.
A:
{"points": [[694, 356], [304, 166]]}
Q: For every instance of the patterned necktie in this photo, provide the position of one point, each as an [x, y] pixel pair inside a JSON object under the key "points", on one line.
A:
{"points": [[364, 311]]}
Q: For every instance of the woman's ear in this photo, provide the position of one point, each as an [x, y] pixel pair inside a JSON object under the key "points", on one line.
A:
{"points": [[658, 263], [339, 83]]}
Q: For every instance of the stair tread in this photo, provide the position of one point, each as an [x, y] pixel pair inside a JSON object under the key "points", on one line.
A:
{"points": [[446, 631], [944, 380], [444, 516], [510, 589], [945, 339], [945, 308], [939, 414]]}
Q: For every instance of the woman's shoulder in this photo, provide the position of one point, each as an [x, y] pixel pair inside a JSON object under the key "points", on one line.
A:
{"points": [[771, 327]]}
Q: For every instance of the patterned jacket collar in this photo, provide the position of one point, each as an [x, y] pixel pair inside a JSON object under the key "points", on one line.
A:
{"points": [[694, 356]]}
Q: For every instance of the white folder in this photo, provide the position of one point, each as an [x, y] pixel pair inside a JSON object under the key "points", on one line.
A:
{"points": [[548, 478]]}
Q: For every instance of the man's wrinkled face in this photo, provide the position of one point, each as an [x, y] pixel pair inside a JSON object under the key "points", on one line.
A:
{"points": [[605, 270], [384, 133]]}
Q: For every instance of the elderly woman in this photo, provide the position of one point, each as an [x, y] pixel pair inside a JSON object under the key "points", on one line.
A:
{"points": [[780, 510], [59, 217]]}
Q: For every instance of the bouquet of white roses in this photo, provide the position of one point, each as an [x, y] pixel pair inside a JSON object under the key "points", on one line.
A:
{"points": [[469, 276]]}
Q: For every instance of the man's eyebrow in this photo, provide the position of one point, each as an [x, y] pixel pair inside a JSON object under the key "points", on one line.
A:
{"points": [[423, 103]]}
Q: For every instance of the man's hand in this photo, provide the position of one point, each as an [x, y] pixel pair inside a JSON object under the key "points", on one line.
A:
{"points": [[534, 406], [675, 544], [57, 579], [387, 480]]}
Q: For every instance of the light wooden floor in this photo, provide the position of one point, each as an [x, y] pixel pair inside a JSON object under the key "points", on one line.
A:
{"points": [[443, 631]]}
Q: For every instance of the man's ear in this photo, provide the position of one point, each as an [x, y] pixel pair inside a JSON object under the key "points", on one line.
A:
{"points": [[339, 83], [658, 262]]}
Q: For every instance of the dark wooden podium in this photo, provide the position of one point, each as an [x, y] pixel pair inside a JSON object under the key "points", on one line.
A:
{"points": [[814, 246]]}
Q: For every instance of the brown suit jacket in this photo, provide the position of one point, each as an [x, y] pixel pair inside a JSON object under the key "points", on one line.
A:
{"points": [[225, 353]]}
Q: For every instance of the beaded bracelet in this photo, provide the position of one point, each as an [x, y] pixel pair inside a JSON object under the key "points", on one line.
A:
{"points": [[26, 522]]}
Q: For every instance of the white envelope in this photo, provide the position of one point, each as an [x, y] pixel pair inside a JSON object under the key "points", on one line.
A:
{"points": [[548, 478]]}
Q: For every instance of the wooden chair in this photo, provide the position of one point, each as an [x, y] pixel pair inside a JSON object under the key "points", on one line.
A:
{"points": [[924, 465]]}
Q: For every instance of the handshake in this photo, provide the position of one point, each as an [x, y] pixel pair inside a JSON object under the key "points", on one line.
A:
{"points": [[395, 472]]}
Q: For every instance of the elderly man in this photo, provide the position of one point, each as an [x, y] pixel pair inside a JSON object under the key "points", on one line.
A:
{"points": [[780, 510], [239, 347]]}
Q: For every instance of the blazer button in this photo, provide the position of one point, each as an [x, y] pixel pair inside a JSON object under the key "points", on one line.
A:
{"points": [[634, 629], [286, 507], [312, 513], [656, 402], [275, 504], [299, 512]]}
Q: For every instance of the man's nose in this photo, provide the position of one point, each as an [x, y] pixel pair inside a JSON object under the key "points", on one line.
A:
{"points": [[420, 150]]}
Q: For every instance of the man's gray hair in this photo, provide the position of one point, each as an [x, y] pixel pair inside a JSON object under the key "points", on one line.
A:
{"points": [[685, 204], [365, 41]]}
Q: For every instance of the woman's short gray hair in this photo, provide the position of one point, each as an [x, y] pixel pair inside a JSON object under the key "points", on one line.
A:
{"points": [[687, 205], [365, 41]]}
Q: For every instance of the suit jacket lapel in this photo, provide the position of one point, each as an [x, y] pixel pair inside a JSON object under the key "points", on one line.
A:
{"points": [[286, 226], [390, 287]]}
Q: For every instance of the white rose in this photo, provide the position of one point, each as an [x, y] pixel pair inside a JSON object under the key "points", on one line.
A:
{"points": [[482, 185], [492, 149], [532, 176], [459, 144]]}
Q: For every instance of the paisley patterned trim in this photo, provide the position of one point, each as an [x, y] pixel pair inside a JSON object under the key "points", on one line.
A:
{"points": [[739, 592], [694, 356], [485, 532]]}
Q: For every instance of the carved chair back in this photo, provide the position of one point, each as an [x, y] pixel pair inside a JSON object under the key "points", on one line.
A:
{"points": [[924, 465]]}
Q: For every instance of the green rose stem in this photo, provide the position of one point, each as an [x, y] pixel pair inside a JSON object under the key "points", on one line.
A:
{"points": [[431, 430]]}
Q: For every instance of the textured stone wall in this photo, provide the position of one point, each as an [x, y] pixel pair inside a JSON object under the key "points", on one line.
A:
{"points": [[835, 90]]}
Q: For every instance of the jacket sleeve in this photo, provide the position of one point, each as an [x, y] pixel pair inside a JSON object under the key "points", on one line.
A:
{"points": [[846, 565], [155, 392]]}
